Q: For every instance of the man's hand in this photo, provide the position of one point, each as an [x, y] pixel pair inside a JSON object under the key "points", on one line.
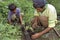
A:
{"points": [[35, 36]]}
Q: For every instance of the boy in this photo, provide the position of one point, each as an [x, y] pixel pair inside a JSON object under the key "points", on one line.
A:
{"points": [[14, 15]]}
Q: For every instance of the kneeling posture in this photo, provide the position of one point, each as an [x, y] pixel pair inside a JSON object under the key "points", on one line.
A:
{"points": [[45, 16]]}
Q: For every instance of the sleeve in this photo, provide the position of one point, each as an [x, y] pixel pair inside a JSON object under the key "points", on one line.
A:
{"points": [[18, 11], [52, 18]]}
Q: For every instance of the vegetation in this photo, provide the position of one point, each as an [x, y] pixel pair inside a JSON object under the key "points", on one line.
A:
{"points": [[10, 32]]}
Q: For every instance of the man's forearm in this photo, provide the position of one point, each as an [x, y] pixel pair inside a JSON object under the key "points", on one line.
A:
{"points": [[45, 31]]}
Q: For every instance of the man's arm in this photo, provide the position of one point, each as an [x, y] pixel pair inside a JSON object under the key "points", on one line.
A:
{"points": [[45, 31], [37, 35]]}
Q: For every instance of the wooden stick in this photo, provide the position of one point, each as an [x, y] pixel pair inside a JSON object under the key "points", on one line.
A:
{"points": [[56, 32]]}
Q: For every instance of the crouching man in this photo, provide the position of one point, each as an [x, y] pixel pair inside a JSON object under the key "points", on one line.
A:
{"points": [[45, 17]]}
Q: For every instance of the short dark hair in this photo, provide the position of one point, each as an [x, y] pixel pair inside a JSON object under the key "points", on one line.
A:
{"points": [[12, 7], [39, 3]]}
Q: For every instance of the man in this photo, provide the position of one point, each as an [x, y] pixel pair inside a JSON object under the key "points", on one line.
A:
{"points": [[14, 15], [45, 16]]}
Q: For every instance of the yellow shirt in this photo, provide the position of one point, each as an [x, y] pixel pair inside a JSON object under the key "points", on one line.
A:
{"points": [[49, 12]]}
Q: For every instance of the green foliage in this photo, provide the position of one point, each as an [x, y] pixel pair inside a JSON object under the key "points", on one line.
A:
{"points": [[9, 32], [25, 6]]}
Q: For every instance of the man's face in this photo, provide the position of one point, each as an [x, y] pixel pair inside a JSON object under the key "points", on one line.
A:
{"points": [[39, 9]]}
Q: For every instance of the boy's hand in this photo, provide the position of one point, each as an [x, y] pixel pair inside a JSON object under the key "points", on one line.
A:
{"points": [[10, 22]]}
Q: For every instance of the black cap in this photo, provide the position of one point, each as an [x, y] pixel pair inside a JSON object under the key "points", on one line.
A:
{"points": [[39, 3]]}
